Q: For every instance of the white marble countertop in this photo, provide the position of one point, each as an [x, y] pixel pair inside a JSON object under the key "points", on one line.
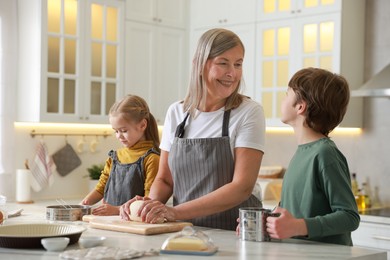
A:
{"points": [[230, 247]]}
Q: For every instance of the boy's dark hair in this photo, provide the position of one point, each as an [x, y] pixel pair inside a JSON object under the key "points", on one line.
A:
{"points": [[326, 95]]}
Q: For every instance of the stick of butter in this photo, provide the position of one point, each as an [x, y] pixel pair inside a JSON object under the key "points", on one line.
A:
{"points": [[186, 243]]}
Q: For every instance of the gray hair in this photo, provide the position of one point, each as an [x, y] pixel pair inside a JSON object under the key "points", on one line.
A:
{"points": [[212, 43]]}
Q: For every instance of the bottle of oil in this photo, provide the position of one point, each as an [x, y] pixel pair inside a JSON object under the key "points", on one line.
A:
{"points": [[360, 200], [366, 195], [354, 185]]}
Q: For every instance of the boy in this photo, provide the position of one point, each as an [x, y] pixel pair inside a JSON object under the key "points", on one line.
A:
{"points": [[317, 202]]}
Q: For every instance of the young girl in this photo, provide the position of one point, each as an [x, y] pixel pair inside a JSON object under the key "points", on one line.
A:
{"points": [[131, 170]]}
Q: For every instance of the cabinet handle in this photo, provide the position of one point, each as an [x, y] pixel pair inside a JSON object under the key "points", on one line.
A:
{"points": [[155, 19], [381, 237], [159, 20], [299, 10]]}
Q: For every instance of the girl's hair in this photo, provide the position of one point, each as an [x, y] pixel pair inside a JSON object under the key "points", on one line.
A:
{"points": [[326, 95], [212, 43], [134, 109]]}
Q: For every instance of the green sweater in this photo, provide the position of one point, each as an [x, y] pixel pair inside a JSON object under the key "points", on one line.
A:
{"points": [[317, 188]]}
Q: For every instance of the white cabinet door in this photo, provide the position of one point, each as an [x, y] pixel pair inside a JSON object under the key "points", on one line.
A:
{"points": [[285, 46], [219, 13], [76, 71], [156, 65], [373, 235], [162, 12]]}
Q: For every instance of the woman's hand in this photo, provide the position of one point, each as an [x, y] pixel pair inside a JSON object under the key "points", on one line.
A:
{"points": [[285, 226], [124, 210], [151, 211], [106, 210], [154, 212]]}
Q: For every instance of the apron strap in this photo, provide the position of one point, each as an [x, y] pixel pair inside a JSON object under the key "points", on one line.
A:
{"points": [[225, 124], [180, 128]]}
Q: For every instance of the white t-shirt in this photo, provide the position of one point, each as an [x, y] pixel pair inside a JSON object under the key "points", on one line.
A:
{"points": [[246, 125]]}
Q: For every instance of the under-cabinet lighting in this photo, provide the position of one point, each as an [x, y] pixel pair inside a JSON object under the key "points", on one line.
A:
{"points": [[337, 131]]}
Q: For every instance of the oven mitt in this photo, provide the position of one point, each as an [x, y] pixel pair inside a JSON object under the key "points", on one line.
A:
{"points": [[66, 160]]}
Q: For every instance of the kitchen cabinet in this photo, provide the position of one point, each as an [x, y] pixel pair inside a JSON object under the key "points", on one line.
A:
{"points": [[217, 13], [156, 65], [373, 232], [156, 52], [70, 59], [161, 12], [329, 36]]}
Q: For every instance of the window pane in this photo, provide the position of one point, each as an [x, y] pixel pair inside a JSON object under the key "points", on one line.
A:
{"points": [[53, 55], [310, 38], [269, 42], [70, 17], [327, 2], [279, 98], [96, 97], [112, 24], [111, 61], [326, 36], [282, 73], [309, 62], [53, 16], [267, 102], [269, 6], [326, 63], [110, 96], [96, 21], [268, 74], [70, 56], [96, 59], [53, 90], [284, 5], [283, 41], [69, 96], [311, 3]]}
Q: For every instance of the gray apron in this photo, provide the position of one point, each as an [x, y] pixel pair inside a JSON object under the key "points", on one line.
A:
{"points": [[125, 180], [200, 166]]}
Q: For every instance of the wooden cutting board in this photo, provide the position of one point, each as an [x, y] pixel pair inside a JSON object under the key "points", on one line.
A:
{"points": [[115, 223]]}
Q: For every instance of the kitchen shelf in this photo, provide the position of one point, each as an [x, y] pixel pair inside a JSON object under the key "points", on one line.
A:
{"points": [[33, 133]]}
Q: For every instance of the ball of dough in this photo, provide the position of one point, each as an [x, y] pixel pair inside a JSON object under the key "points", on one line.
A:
{"points": [[134, 207]]}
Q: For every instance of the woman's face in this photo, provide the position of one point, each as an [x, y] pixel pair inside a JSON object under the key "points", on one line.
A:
{"points": [[128, 133], [223, 73]]}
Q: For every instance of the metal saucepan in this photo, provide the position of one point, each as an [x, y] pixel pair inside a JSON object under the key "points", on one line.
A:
{"points": [[67, 212]]}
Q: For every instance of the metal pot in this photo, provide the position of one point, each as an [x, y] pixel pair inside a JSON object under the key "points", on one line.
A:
{"points": [[67, 212]]}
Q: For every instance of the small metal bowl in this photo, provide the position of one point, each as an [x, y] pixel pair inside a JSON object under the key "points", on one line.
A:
{"points": [[67, 212]]}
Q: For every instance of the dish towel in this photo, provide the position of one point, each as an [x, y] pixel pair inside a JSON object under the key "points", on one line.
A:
{"points": [[41, 168]]}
